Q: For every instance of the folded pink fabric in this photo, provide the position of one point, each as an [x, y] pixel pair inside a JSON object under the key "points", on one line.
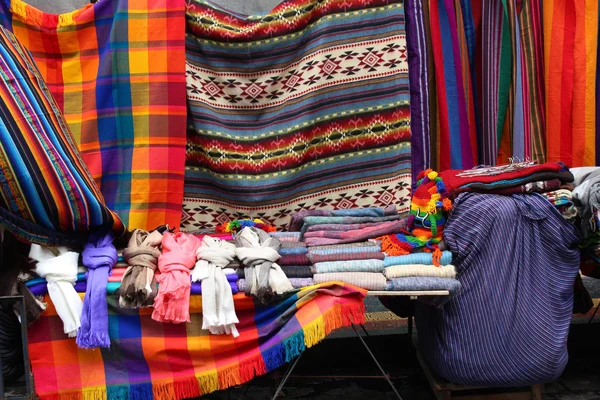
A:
{"points": [[294, 259], [340, 227], [367, 255], [320, 238], [172, 303]]}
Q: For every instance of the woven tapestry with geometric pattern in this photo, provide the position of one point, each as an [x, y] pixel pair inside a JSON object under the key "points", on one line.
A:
{"points": [[306, 107]]}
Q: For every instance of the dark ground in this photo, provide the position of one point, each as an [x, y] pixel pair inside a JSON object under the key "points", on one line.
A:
{"points": [[342, 354]]}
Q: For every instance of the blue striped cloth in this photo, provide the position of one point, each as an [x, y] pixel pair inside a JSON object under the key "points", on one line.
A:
{"points": [[346, 250], [288, 251], [516, 261], [417, 258], [349, 266]]}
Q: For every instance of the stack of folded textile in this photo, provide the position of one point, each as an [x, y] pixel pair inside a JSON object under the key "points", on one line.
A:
{"points": [[294, 259], [340, 243], [417, 272]]}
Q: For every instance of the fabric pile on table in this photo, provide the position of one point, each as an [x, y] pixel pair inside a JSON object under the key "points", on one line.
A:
{"points": [[341, 245]]}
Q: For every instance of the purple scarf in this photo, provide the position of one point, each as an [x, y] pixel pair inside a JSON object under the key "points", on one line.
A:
{"points": [[99, 256]]}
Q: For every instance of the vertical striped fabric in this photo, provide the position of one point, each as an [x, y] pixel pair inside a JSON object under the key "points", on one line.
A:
{"points": [[509, 325], [570, 46], [117, 71], [418, 60], [456, 112], [304, 108], [47, 195]]}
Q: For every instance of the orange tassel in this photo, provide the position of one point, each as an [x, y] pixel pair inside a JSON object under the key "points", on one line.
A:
{"points": [[436, 257]]}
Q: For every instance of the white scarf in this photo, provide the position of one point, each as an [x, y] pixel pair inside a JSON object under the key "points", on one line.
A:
{"points": [[218, 311], [59, 267]]}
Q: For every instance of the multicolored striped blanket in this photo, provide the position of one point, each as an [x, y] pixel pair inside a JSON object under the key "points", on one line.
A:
{"points": [[304, 108], [117, 71], [151, 360], [47, 195]]}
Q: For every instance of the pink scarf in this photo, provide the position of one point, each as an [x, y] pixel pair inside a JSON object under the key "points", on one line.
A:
{"points": [[172, 303]]}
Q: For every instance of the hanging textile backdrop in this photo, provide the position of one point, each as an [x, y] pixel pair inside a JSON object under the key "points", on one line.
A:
{"points": [[304, 108], [47, 195], [117, 71], [503, 78], [152, 360]]}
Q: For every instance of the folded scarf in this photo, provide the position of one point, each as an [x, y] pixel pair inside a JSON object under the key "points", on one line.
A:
{"points": [[339, 227], [310, 221], [141, 254], [349, 266], [320, 258], [286, 236], [117, 274], [322, 238], [291, 251], [291, 244], [294, 259], [423, 284], [412, 270], [345, 250], [218, 312], [346, 246], [512, 186], [454, 179], [531, 187], [562, 199], [99, 255], [297, 219], [297, 283], [178, 256], [365, 280], [258, 252], [196, 287], [59, 267], [297, 271], [417, 258]]}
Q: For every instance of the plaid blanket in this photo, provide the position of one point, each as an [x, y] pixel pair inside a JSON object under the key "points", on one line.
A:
{"points": [[304, 108], [116, 69], [150, 360]]}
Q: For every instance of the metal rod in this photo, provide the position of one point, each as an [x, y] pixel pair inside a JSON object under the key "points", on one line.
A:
{"points": [[286, 377], [376, 363], [594, 314]]}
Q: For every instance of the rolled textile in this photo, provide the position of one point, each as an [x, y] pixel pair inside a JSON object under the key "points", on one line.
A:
{"points": [[424, 283], [513, 186], [417, 258], [346, 250], [230, 277], [141, 254], [349, 266], [59, 267], [294, 259], [292, 244], [530, 187], [258, 252], [286, 236], [364, 255], [177, 259], [290, 251], [297, 271], [297, 283], [413, 270], [365, 280], [218, 313], [99, 255], [322, 238], [297, 219], [196, 287], [346, 246], [309, 221], [117, 275]]}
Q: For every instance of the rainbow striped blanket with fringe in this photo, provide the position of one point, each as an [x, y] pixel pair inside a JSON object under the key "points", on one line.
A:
{"points": [[152, 360], [304, 108]]}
